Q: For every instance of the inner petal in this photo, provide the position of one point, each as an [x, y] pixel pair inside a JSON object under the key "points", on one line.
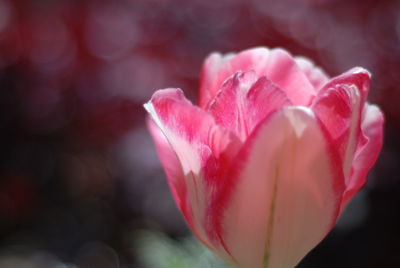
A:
{"points": [[276, 64], [244, 101]]}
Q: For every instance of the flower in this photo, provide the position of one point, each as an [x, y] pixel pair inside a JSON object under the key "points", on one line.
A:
{"points": [[274, 152]]}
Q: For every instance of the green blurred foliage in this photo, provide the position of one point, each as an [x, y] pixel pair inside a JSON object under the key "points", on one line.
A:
{"points": [[156, 250]]}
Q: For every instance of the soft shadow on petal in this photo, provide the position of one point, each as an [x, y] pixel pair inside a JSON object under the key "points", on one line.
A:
{"points": [[287, 193]]}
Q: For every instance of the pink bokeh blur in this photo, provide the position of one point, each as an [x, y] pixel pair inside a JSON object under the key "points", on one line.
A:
{"points": [[78, 172]]}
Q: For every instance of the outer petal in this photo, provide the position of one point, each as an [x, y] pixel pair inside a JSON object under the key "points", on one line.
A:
{"points": [[277, 65], [315, 75], [367, 153], [339, 105], [287, 193], [185, 128], [199, 144], [338, 109], [358, 77]]}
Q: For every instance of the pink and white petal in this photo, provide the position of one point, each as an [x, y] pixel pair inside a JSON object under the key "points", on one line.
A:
{"points": [[283, 71], [287, 194], [315, 75], [220, 188], [263, 98], [181, 121], [243, 102], [211, 66], [277, 64], [229, 106], [358, 77], [186, 129], [366, 154], [339, 108], [203, 150]]}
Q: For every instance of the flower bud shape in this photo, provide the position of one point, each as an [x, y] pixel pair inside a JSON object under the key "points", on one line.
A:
{"points": [[264, 165]]}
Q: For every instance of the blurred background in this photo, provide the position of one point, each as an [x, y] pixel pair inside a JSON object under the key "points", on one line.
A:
{"points": [[80, 183]]}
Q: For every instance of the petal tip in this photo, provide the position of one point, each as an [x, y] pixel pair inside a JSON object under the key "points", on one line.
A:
{"points": [[361, 70]]}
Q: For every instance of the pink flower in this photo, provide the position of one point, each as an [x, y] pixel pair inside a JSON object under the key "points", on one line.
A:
{"points": [[274, 152]]}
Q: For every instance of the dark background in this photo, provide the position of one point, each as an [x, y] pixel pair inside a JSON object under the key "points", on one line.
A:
{"points": [[79, 177]]}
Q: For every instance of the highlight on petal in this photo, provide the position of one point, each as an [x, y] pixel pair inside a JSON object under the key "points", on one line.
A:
{"points": [[284, 200], [276, 64]]}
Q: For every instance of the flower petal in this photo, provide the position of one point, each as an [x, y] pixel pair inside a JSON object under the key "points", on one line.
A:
{"points": [[358, 77], [185, 128], [315, 75], [287, 193], [243, 102], [229, 106], [211, 67], [276, 64], [264, 98], [367, 153], [198, 144], [339, 106]]}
